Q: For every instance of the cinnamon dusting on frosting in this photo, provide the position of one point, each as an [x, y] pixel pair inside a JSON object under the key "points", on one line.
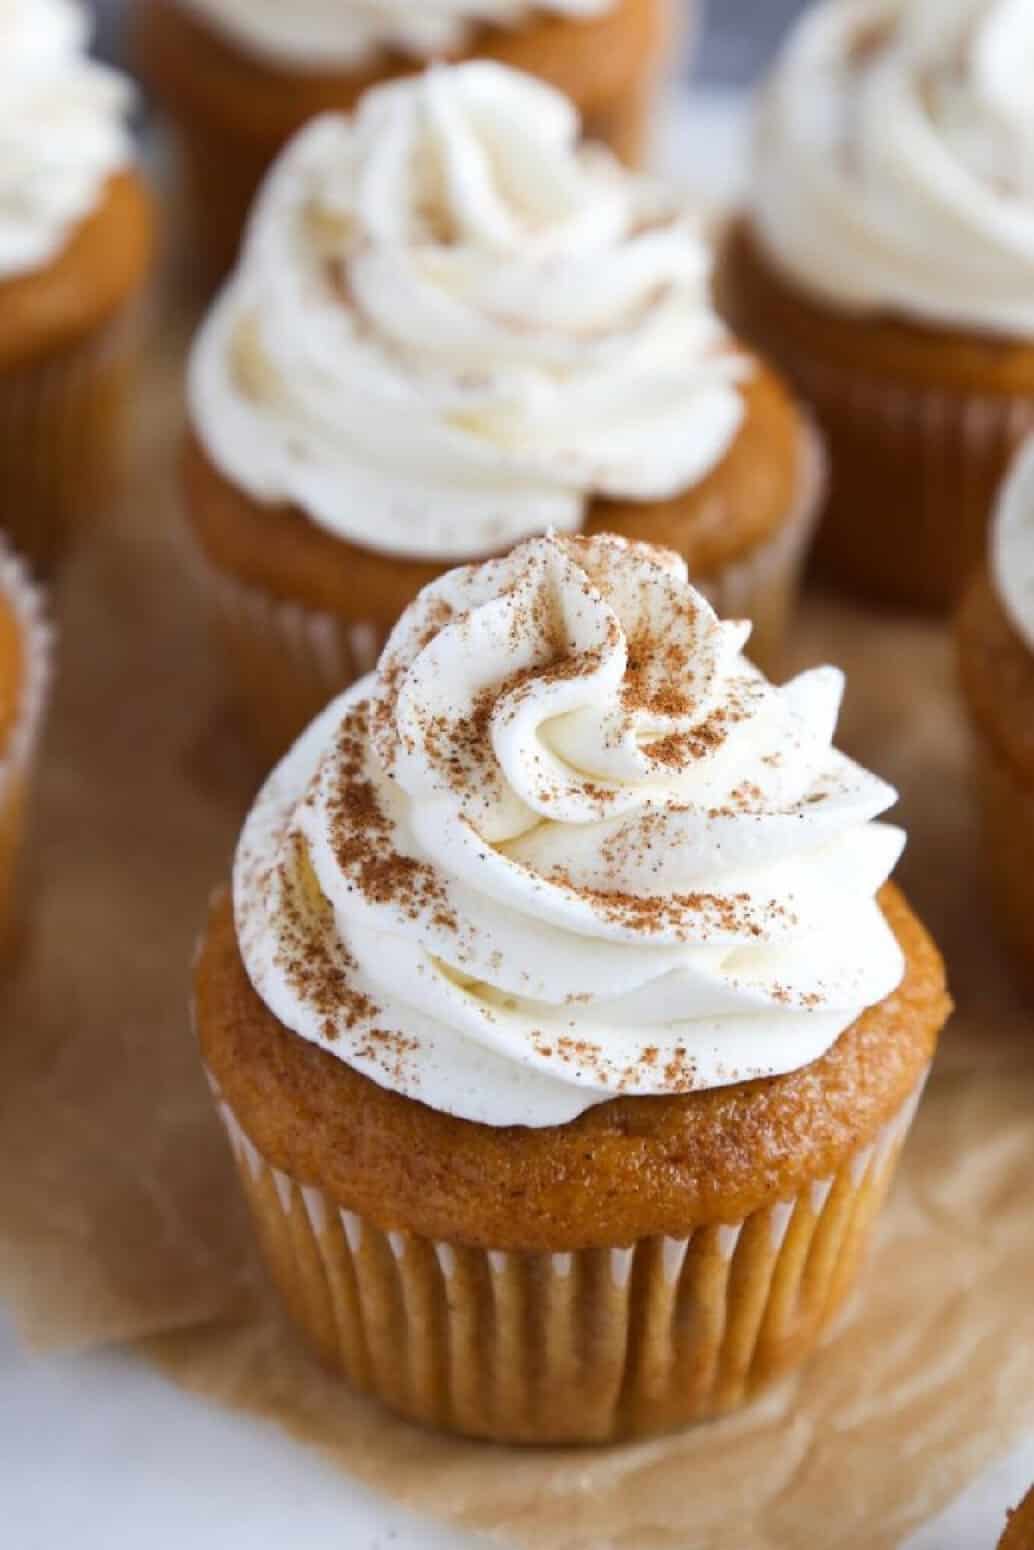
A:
{"points": [[546, 857]]}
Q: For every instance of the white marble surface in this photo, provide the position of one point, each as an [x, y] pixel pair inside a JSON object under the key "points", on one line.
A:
{"points": [[101, 1453]]}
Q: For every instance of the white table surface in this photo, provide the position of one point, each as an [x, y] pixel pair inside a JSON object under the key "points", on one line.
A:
{"points": [[101, 1452]]}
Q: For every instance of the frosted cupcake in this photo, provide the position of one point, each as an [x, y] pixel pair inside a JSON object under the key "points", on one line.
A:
{"points": [[887, 265], [563, 1020], [240, 77], [24, 682], [75, 242], [454, 325], [996, 641]]}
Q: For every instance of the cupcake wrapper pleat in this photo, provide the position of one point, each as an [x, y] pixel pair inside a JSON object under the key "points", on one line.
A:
{"points": [[17, 758], [61, 439], [915, 473], [570, 1347], [766, 585], [1007, 809], [289, 661]]}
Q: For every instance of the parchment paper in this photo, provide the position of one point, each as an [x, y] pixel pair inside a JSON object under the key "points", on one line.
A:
{"points": [[119, 1213]]}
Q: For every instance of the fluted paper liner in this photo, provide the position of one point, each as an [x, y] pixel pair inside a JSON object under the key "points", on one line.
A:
{"points": [[915, 475], [121, 1217], [62, 438], [18, 753], [289, 661], [1007, 811], [589, 1346]]}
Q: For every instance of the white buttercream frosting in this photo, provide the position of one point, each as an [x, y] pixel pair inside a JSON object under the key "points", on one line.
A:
{"points": [[1012, 545], [453, 325], [62, 129], [568, 843], [323, 34], [895, 159]]}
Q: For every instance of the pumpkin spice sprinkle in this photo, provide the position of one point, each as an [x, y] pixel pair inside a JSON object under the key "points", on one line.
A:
{"points": [[568, 844]]}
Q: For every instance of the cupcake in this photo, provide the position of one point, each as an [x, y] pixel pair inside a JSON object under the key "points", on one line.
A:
{"points": [[887, 265], [240, 77], [24, 679], [455, 325], [75, 242], [563, 1021], [1019, 1533], [996, 655]]}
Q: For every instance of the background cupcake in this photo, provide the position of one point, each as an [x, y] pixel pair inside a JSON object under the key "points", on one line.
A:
{"points": [[887, 264], [562, 1023], [75, 242], [239, 78], [996, 641], [1019, 1534], [454, 325], [24, 681]]}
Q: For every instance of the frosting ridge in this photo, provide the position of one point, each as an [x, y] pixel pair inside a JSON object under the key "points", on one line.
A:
{"points": [[568, 844], [63, 129], [1012, 544], [452, 326], [314, 34], [894, 164]]}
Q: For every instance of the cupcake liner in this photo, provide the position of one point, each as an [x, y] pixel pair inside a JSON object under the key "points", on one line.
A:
{"points": [[289, 661], [60, 438], [571, 1347], [1007, 811], [765, 586], [915, 473], [18, 754]]}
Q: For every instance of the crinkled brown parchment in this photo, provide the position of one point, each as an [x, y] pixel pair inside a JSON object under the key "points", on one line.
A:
{"points": [[119, 1215]]}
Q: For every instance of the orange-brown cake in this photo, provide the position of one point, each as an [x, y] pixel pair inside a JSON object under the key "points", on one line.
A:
{"points": [[73, 257], [402, 375], [733, 529], [1019, 1532], [238, 85], [888, 271], [996, 661], [24, 678], [549, 1135]]}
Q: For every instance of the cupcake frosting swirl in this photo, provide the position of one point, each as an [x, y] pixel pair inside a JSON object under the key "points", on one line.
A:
{"points": [[62, 129], [895, 160], [1012, 545], [453, 325], [322, 34], [569, 844]]}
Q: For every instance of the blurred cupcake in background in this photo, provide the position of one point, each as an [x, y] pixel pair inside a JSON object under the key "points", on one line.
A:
{"points": [[454, 325], [25, 650], [239, 78], [887, 265], [563, 1021], [75, 244], [996, 647], [1019, 1532]]}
